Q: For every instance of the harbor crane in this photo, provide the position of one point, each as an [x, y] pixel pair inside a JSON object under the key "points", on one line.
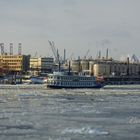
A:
{"points": [[134, 59], [86, 54], [55, 52]]}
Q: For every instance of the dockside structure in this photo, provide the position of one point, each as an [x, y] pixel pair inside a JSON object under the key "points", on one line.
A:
{"points": [[13, 64], [40, 65], [106, 68]]}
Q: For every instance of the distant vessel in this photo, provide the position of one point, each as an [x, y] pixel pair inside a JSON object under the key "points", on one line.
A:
{"points": [[38, 80], [64, 80], [34, 79]]}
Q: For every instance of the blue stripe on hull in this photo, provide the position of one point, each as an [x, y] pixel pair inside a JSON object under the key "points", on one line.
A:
{"points": [[70, 87]]}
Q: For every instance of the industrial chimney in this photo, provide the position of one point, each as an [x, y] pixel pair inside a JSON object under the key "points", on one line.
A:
{"points": [[2, 48], [11, 48], [107, 54], [19, 48]]}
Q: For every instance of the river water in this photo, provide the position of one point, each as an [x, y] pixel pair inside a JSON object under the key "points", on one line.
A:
{"points": [[32, 112]]}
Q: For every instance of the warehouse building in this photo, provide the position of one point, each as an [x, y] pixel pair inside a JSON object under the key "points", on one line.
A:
{"points": [[40, 65], [14, 63]]}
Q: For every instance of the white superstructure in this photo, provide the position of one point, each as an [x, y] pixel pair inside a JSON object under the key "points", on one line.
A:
{"points": [[62, 80]]}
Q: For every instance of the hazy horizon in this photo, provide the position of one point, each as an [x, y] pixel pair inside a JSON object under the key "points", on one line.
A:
{"points": [[74, 25]]}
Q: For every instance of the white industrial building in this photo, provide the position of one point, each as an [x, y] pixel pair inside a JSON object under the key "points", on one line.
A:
{"points": [[41, 65]]}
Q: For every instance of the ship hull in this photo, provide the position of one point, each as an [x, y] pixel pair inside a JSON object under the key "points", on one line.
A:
{"points": [[74, 87]]}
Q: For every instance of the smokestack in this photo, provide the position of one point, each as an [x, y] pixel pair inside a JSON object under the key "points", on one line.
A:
{"points": [[128, 66], [99, 55], [64, 55], [11, 48], [2, 48], [107, 54], [57, 55], [69, 68], [19, 48]]}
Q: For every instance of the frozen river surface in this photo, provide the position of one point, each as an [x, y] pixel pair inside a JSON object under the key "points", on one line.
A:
{"points": [[35, 113]]}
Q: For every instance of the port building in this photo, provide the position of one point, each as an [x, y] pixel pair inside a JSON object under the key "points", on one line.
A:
{"points": [[40, 65], [14, 63]]}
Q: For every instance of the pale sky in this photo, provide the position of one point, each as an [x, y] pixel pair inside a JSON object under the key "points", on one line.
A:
{"points": [[74, 25]]}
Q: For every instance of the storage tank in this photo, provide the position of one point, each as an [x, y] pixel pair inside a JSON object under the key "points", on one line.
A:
{"points": [[91, 67], [101, 69], [75, 66], [84, 65]]}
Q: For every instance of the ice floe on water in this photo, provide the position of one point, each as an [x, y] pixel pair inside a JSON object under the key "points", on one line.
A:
{"points": [[85, 130], [134, 120], [22, 86], [36, 113]]}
